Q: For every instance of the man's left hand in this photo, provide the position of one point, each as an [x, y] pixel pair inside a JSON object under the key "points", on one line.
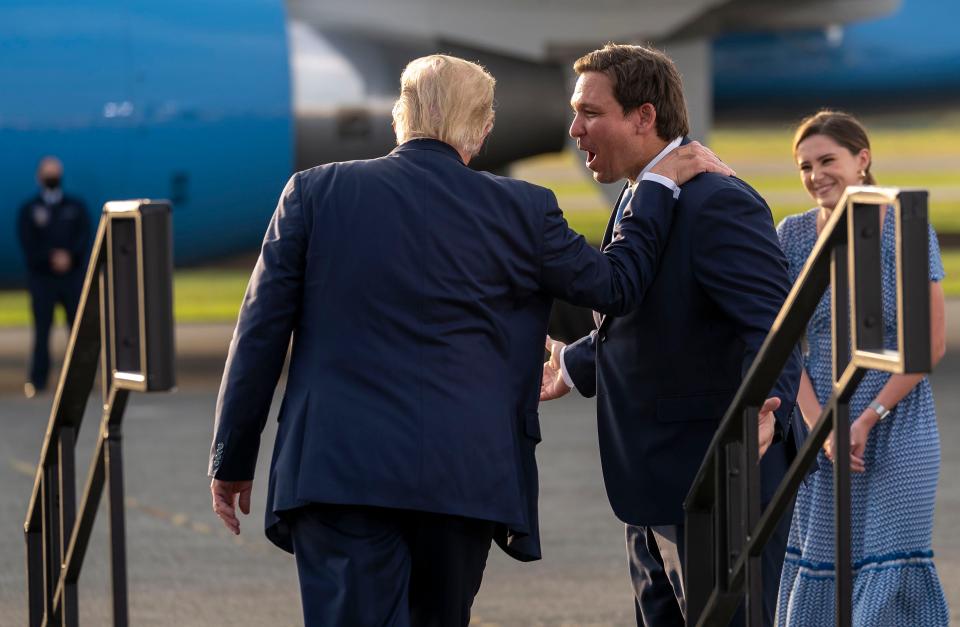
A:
{"points": [[685, 162], [767, 422], [225, 495]]}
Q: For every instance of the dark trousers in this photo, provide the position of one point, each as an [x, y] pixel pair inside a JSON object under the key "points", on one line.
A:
{"points": [[46, 292], [367, 566], [655, 556]]}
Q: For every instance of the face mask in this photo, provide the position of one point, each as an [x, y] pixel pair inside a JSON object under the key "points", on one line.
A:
{"points": [[51, 183]]}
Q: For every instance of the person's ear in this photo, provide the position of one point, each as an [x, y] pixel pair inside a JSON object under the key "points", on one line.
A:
{"points": [[863, 159], [487, 130], [644, 118]]}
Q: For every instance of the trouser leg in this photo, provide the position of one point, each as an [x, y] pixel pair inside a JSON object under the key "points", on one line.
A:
{"points": [[449, 554], [353, 564], [42, 302], [655, 571]]}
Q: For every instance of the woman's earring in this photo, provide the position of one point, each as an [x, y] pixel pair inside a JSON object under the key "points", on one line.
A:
{"points": [[863, 175]]}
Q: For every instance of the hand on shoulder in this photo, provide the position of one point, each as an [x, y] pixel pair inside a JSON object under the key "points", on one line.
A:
{"points": [[686, 162]]}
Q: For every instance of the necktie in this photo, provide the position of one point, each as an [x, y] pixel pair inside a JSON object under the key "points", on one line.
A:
{"points": [[624, 201]]}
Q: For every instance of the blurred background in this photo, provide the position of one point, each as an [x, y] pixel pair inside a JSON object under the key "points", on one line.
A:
{"points": [[213, 104]]}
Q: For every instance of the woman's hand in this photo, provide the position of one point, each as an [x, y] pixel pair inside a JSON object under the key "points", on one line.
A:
{"points": [[859, 433]]}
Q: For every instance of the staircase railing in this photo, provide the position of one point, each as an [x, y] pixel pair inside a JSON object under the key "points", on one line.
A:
{"points": [[726, 529], [125, 322]]}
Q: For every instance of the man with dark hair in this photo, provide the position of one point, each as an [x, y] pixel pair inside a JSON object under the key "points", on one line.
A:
{"points": [[54, 232], [665, 373], [417, 292]]}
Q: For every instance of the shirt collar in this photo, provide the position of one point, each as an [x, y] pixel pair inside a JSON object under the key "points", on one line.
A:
{"points": [[653, 162]]}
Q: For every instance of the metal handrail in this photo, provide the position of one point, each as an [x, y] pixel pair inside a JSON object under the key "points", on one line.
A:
{"points": [[726, 530], [125, 317]]}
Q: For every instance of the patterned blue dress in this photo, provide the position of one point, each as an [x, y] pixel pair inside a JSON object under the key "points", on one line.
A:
{"points": [[895, 581]]}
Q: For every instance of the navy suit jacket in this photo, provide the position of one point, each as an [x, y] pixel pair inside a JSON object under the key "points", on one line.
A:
{"points": [[417, 292], [665, 373]]}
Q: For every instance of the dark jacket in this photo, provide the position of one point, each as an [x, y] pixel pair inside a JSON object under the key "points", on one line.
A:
{"points": [[417, 292], [665, 373], [43, 228]]}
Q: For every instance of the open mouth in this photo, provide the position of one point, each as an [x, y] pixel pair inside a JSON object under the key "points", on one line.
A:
{"points": [[590, 157]]}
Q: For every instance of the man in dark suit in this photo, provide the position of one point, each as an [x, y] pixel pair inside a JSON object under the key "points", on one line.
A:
{"points": [[665, 373], [54, 232], [417, 292]]}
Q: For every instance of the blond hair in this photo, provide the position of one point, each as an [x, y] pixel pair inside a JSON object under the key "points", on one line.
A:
{"points": [[445, 98]]}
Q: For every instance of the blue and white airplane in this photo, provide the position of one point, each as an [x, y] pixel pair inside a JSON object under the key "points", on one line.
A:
{"points": [[212, 104], [910, 57]]}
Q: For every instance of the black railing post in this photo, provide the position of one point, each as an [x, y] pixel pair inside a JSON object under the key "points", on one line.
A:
{"points": [[699, 564], [35, 571], [914, 281], [721, 560], [840, 310], [735, 505], [51, 535], [841, 513], [68, 515], [750, 516], [113, 459], [865, 283], [125, 316]]}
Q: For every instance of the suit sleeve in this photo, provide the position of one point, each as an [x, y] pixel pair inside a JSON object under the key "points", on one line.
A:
{"points": [[267, 318], [739, 263], [615, 281]]}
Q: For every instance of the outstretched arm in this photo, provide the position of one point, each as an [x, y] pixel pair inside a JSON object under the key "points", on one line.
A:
{"points": [[615, 282]]}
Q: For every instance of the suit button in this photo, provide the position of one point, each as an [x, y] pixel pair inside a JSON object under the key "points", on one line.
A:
{"points": [[603, 337]]}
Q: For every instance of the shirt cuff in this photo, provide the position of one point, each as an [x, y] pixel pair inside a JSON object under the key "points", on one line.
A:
{"points": [[563, 370], [666, 182]]}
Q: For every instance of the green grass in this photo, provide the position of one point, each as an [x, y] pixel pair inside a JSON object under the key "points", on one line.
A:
{"points": [[208, 295], [215, 295], [951, 265], [198, 296]]}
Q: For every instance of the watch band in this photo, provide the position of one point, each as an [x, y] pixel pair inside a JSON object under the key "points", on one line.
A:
{"points": [[882, 411]]}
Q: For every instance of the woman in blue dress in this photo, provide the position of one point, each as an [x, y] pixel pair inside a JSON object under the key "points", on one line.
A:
{"points": [[894, 443]]}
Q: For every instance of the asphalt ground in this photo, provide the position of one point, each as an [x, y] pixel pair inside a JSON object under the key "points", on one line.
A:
{"points": [[185, 569]]}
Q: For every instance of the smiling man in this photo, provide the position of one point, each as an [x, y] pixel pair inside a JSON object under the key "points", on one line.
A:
{"points": [[665, 372]]}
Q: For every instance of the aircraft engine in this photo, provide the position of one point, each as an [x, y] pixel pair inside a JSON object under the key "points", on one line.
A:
{"points": [[345, 84]]}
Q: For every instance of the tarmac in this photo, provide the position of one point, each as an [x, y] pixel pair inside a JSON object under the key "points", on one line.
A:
{"points": [[185, 569]]}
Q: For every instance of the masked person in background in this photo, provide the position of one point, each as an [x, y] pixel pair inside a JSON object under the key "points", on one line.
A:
{"points": [[54, 232]]}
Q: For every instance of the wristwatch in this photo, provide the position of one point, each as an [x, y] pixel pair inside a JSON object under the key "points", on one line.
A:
{"points": [[882, 411]]}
